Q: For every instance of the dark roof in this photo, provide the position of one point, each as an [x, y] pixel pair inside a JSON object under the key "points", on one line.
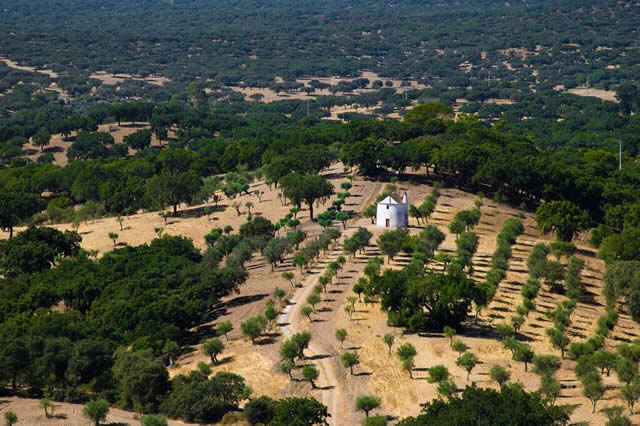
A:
{"points": [[397, 197]]}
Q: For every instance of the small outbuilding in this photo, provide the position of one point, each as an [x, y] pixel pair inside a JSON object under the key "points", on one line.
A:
{"points": [[393, 212]]}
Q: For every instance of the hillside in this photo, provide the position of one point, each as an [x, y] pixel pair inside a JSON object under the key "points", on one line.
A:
{"points": [[378, 373]]}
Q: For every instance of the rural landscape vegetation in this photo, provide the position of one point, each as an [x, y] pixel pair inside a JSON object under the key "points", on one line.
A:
{"points": [[188, 200]]}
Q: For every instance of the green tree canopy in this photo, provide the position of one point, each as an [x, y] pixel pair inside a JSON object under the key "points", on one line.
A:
{"points": [[96, 410], [477, 405], [306, 188], [563, 218]]}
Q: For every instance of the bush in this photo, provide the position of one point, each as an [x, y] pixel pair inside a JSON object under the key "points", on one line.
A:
{"points": [[260, 410], [153, 421], [299, 411], [493, 407], [530, 289], [96, 411], [378, 420], [197, 398]]}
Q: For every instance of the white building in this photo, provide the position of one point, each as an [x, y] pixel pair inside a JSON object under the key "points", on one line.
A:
{"points": [[393, 211]]}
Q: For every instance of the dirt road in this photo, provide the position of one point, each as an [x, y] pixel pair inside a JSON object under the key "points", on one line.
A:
{"points": [[292, 322]]}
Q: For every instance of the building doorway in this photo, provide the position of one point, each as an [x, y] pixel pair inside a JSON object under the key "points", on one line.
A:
{"points": [[387, 222]]}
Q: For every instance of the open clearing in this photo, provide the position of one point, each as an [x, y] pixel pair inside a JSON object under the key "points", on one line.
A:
{"points": [[378, 373], [113, 79], [605, 95], [17, 66], [269, 95]]}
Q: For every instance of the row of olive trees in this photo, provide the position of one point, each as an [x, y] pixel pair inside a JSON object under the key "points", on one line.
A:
{"points": [[428, 206]]}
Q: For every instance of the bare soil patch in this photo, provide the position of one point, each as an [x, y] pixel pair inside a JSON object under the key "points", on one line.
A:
{"points": [[605, 95], [113, 79], [15, 65], [30, 413]]}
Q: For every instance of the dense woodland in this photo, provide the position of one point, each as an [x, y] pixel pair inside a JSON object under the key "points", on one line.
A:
{"points": [[75, 328], [568, 42]]}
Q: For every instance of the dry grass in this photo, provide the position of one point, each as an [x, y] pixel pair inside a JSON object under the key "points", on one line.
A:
{"points": [[113, 79], [30, 413], [17, 66], [605, 95]]}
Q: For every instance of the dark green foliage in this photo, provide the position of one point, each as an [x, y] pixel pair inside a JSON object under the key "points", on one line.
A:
{"points": [[599, 234], [141, 297], [253, 327], [558, 339], [621, 247], [257, 226], [626, 369], [466, 246], [358, 242], [546, 365], [499, 374], [512, 405], [151, 420], [299, 412], [96, 410], [379, 420], [143, 381], [621, 281], [172, 188], [573, 283], [197, 398], [36, 249], [390, 242], [260, 410], [349, 360], [16, 207], [437, 374], [367, 403], [563, 218], [139, 140], [90, 145], [431, 301], [306, 188], [506, 238], [562, 248], [469, 218], [537, 261]]}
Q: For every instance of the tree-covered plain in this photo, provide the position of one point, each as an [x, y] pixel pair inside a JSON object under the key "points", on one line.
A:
{"points": [[568, 42]]}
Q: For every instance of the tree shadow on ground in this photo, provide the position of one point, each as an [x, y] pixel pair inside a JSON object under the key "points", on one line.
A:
{"points": [[225, 360], [319, 356], [325, 387]]}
